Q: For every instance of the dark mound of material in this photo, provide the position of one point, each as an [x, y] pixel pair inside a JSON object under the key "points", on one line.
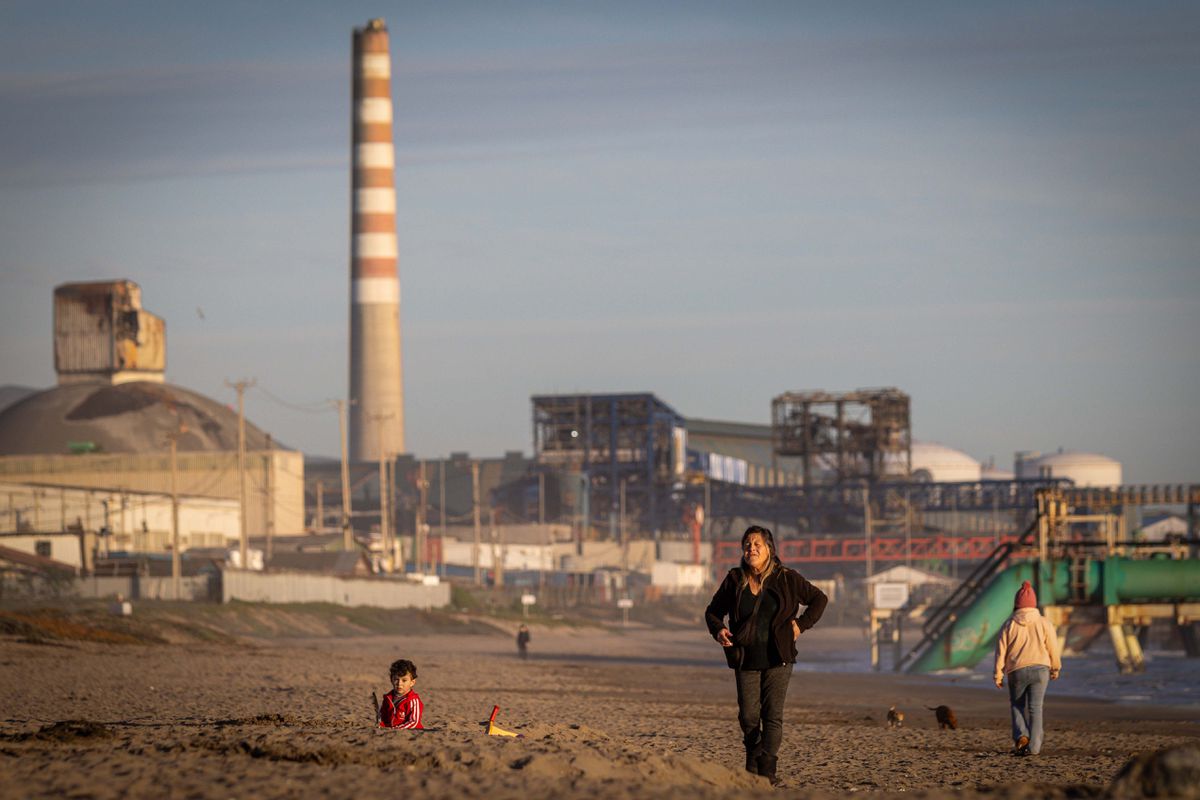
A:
{"points": [[126, 418]]}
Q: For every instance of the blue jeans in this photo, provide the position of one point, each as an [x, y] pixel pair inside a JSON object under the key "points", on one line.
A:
{"points": [[1027, 693], [761, 693]]}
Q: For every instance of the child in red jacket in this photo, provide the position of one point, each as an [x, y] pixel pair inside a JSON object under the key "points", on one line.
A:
{"points": [[402, 707]]}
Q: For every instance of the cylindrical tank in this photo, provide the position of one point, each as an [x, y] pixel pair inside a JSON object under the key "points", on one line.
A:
{"points": [[941, 464], [376, 377], [1085, 469]]}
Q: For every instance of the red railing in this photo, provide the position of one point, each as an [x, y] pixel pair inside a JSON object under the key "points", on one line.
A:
{"points": [[883, 548]]}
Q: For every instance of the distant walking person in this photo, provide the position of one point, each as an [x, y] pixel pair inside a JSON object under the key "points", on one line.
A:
{"points": [[762, 598], [523, 641], [1027, 652]]}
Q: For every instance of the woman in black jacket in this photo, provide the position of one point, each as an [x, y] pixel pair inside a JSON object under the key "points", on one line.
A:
{"points": [[762, 598]]}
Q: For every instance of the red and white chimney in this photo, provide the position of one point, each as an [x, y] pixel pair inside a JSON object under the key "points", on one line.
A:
{"points": [[376, 373]]}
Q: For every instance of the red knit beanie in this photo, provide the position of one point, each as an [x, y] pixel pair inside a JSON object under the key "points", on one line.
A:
{"points": [[1025, 597]]}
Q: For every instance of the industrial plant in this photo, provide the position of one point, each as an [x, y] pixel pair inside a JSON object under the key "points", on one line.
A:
{"points": [[140, 487]]}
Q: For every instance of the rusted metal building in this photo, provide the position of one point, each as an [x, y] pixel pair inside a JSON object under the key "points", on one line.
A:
{"points": [[102, 333], [841, 437]]}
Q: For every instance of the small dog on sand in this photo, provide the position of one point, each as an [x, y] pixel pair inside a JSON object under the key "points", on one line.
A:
{"points": [[895, 719], [945, 717]]}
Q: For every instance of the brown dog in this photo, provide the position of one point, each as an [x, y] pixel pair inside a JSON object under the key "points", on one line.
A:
{"points": [[895, 719], [945, 717]]}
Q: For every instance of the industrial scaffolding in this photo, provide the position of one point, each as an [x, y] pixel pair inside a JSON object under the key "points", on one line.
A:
{"points": [[628, 451], [844, 437]]}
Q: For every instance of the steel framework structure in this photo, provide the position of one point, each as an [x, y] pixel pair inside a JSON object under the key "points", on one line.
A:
{"points": [[846, 507], [844, 436], [628, 450]]}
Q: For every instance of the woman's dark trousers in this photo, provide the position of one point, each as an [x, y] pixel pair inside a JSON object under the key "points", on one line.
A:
{"points": [[761, 693]]}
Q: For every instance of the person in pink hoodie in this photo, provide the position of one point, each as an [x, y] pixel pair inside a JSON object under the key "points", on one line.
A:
{"points": [[1027, 652]]}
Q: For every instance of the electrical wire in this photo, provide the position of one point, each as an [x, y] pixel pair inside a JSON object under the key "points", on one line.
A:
{"points": [[316, 407]]}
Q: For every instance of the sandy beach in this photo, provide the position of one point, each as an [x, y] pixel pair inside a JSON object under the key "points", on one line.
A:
{"points": [[210, 710]]}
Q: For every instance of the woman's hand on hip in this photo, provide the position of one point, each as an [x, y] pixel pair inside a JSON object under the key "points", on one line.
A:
{"points": [[795, 630], [725, 638]]}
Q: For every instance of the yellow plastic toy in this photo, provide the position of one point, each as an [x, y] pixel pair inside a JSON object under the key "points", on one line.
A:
{"points": [[495, 730]]}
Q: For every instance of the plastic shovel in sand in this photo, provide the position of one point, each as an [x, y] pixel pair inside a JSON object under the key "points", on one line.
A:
{"points": [[495, 730]]}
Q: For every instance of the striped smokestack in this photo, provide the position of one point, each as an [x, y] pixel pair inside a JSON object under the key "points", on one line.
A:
{"points": [[376, 378]]}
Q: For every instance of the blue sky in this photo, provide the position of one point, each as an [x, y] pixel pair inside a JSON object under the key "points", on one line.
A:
{"points": [[993, 207]]}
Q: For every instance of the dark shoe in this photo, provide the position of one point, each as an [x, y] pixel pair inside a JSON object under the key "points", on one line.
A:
{"points": [[1022, 748], [766, 768], [753, 751]]}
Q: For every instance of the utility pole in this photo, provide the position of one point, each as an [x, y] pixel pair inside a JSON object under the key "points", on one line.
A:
{"points": [[384, 528], [707, 507], [867, 525], [270, 504], [244, 548], [347, 531], [954, 535], [319, 522], [176, 565], [497, 550], [419, 535], [475, 512], [541, 498], [624, 538], [442, 507], [907, 530], [995, 518]]}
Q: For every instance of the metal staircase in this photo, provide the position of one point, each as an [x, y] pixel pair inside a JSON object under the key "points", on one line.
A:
{"points": [[944, 615]]}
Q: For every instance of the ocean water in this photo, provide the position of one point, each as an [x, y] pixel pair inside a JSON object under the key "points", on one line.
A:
{"points": [[1170, 679]]}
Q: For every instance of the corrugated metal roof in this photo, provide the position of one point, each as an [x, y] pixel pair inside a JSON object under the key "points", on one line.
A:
{"points": [[33, 561], [344, 562]]}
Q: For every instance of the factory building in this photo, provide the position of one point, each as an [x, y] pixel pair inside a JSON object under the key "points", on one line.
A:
{"points": [[711, 442], [105, 432], [628, 465]]}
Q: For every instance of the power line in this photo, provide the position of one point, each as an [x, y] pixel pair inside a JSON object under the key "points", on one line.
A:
{"points": [[315, 407]]}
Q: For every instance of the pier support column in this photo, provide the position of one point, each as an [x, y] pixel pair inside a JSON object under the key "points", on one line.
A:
{"points": [[1060, 618], [1128, 649], [1190, 633]]}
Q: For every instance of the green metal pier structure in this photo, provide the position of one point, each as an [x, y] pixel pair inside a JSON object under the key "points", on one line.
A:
{"points": [[1087, 578]]}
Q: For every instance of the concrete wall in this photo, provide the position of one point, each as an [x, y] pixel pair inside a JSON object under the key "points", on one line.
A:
{"points": [[294, 587], [194, 587], [564, 555], [199, 588], [511, 556]]}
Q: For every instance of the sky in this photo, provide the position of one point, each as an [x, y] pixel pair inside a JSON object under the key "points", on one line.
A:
{"points": [[994, 207]]}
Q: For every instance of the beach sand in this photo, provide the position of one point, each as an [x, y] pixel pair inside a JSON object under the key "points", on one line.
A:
{"points": [[605, 712]]}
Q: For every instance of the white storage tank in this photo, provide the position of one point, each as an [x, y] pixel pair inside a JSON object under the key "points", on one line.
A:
{"points": [[941, 464], [993, 473], [1085, 469]]}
